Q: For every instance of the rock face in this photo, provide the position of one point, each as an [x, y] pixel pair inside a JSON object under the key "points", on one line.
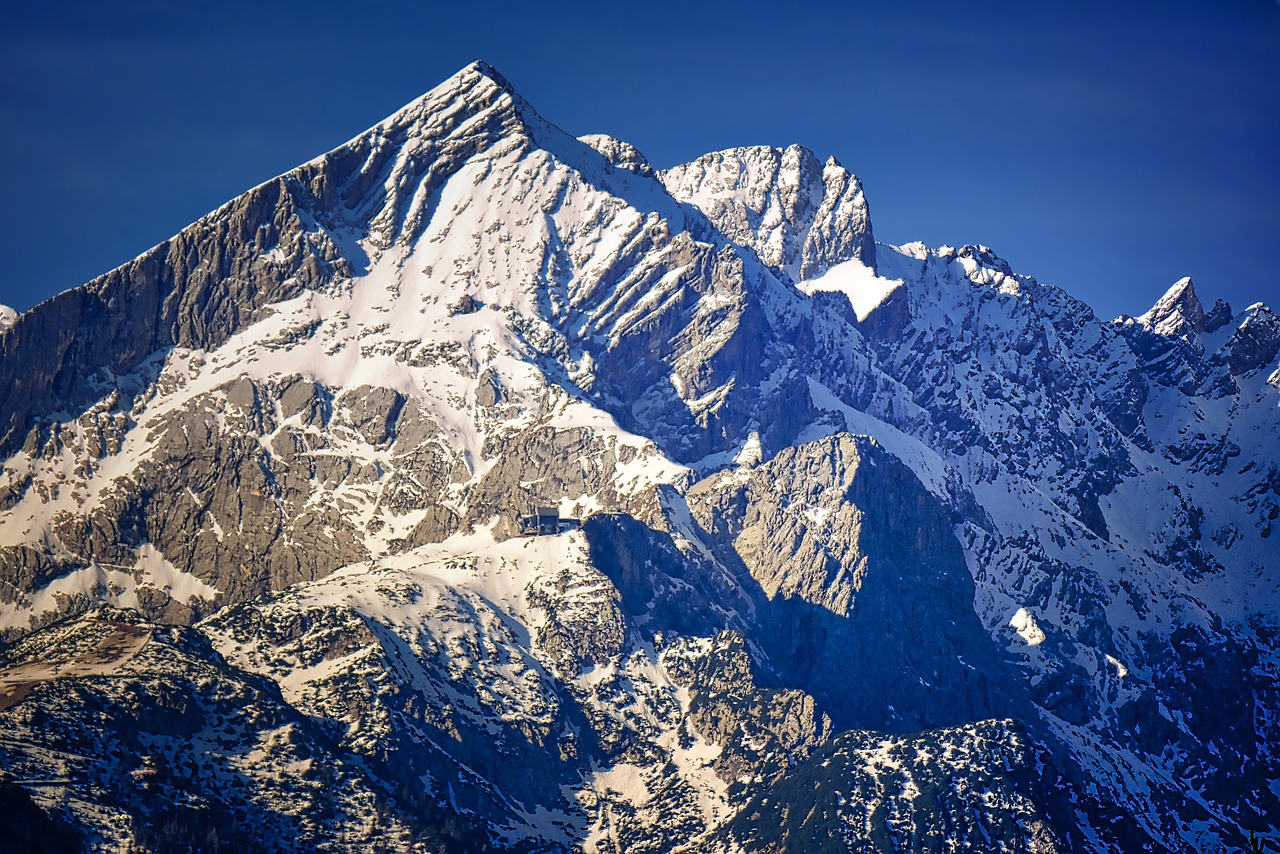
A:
{"points": [[1177, 314], [138, 720], [852, 559], [921, 555], [800, 216]]}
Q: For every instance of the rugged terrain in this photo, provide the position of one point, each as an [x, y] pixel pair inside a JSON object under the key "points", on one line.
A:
{"points": [[884, 547]]}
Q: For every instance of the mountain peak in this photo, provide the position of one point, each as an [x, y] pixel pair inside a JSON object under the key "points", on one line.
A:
{"points": [[477, 86], [620, 154], [7, 317], [478, 76], [1176, 314], [800, 215], [483, 68]]}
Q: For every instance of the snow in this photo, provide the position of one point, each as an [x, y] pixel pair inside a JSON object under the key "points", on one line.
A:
{"points": [[444, 595], [625, 781], [923, 461], [95, 581], [1026, 626], [860, 285], [554, 826], [155, 571], [750, 455], [695, 764], [647, 469]]}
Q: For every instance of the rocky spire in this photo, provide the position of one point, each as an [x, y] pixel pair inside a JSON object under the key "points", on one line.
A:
{"points": [[1176, 314], [800, 215]]}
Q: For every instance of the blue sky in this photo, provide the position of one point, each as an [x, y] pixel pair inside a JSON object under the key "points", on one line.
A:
{"points": [[1106, 147]]}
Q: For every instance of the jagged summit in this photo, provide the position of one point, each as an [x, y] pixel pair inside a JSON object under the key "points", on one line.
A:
{"points": [[8, 317], [473, 91], [476, 83], [324, 224], [1176, 314], [801, 216], [1179, 313], [1203, 352], [480, 69]]}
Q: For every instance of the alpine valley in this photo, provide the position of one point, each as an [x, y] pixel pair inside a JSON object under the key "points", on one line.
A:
{"points": [[874, 548]]}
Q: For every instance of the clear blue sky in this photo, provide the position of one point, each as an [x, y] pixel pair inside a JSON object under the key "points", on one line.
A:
{"points": [[1106, 147]]}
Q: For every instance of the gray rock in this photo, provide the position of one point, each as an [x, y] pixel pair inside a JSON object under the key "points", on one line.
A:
{"points": [[855, 562], [489, 389]]}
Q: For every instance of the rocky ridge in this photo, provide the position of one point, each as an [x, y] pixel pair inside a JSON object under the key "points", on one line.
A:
{"points": [[800, 216]]}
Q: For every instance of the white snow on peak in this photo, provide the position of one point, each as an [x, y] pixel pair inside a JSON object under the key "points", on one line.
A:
{"points": [[478, 82], [751, 454], [924, 462], [1176, 314], [799, 215], [7, 317], [859, 283], [915, 249], [621, 154]]}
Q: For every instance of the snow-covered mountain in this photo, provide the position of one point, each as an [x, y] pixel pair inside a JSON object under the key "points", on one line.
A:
{"points": [[882, 547]]}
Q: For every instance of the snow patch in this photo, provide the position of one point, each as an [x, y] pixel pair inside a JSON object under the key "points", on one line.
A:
{"points": [[156, 571], [97, 581], [859, 283], [751, 453], [1025, 625]]}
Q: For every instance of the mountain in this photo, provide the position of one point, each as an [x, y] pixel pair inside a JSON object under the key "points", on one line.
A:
{"points": [[879, 547]]}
